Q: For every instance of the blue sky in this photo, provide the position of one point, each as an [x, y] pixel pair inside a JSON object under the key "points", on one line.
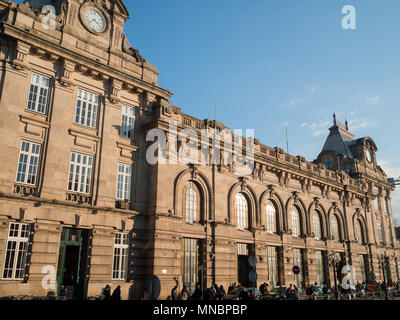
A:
{"points": [[272, 64]]}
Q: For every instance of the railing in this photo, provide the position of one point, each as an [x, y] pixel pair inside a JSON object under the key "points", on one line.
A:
{"points": [[79, 198]]}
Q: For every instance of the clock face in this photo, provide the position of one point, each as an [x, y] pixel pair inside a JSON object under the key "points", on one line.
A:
{"points": [[369, 156], [95, 19]]}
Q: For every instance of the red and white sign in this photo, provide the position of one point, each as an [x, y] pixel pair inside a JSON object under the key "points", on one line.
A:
{"points": [[371, 285]]}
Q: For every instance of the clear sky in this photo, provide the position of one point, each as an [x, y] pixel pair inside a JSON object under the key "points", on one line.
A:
{"points": [[272, 64]]}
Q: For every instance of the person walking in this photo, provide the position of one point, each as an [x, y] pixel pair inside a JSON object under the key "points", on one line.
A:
{"points": [[107, 293], [221, 293]]}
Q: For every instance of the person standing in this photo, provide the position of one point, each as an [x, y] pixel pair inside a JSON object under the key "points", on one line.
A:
{"points": [[221, 293], [107, 292]]}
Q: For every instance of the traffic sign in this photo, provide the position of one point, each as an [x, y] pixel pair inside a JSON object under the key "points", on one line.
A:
{"points": [[253, 276], [371, 285], [253, 261], [296, 270]]}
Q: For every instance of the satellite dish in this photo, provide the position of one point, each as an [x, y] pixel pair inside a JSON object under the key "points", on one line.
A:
{"points": [[155, 288]]}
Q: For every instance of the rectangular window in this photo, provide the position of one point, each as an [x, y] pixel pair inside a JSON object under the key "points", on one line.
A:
{"points": [[396, 269], [243, 249], [320, 267], [121, 246], [377, 204], [380, 231], [190, 264], [128, 122], [124, 182], [80, 173], [272, 266], [86, 109], [38, 93], [16, 251], [387, 205], [28, 163], [389, 232], [298, 261], [362, 268]]}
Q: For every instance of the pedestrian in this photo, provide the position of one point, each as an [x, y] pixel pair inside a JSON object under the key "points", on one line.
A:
{"points": [[243, 295], [116, 296], [174, 293], [107, 293], [197, 295], [184, 294], [221, 293]]}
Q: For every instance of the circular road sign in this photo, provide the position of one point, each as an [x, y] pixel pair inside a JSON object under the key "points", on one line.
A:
{"points": [[371, 285], [296, 270], [253, 261], [253, 277]]}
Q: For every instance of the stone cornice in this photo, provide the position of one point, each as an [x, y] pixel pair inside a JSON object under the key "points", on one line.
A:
{"points": [[70, 55]]}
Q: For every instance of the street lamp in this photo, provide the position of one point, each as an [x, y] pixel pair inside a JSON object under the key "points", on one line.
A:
{"points": [[334, 264], [382, 261]]}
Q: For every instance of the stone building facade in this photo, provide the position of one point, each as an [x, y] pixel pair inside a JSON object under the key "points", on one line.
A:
{"points": [[80, 203]]}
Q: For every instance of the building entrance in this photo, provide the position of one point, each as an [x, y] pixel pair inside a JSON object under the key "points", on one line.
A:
{"points": [[244, 267], [71, 275]]}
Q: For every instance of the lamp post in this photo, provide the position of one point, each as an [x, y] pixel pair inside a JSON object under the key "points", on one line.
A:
{"points": [[382, 261], [334, 264]]}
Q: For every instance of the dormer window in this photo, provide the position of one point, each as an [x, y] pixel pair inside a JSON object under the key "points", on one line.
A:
{"points": [[329, 163], [368, 156]]}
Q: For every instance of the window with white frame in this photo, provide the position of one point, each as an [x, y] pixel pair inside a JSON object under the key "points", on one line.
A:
{"points": [[272, 266], [335, 229], [362, 268], [317, 226], [128, 122], [358, 232], [295, 223], [396, 268], [16, 251], [124, 182], [298, 261], [28, 163], [121, 248], [320, 266], [191, 204], [86, 109], [387, 206], [380, 231], [377, 204], [389, 232], [241, 211], [38, 93], [271, 218], [80, 173]]}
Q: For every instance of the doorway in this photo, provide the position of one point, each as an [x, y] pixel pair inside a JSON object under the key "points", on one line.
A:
{"points": [[71, 275], [243, 266]]}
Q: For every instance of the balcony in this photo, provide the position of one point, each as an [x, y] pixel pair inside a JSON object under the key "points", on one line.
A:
{"points": [[26, 191], [79, 198]]}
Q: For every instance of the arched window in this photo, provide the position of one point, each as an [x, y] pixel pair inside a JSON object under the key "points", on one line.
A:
{"points": [[358, 228], [241, 211], [335, 229], [191, 204], [271, 218], [317, 226], [295, 223]]}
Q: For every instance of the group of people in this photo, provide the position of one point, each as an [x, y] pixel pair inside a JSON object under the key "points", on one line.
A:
{"points": [[115, 296], [215, 292]]}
